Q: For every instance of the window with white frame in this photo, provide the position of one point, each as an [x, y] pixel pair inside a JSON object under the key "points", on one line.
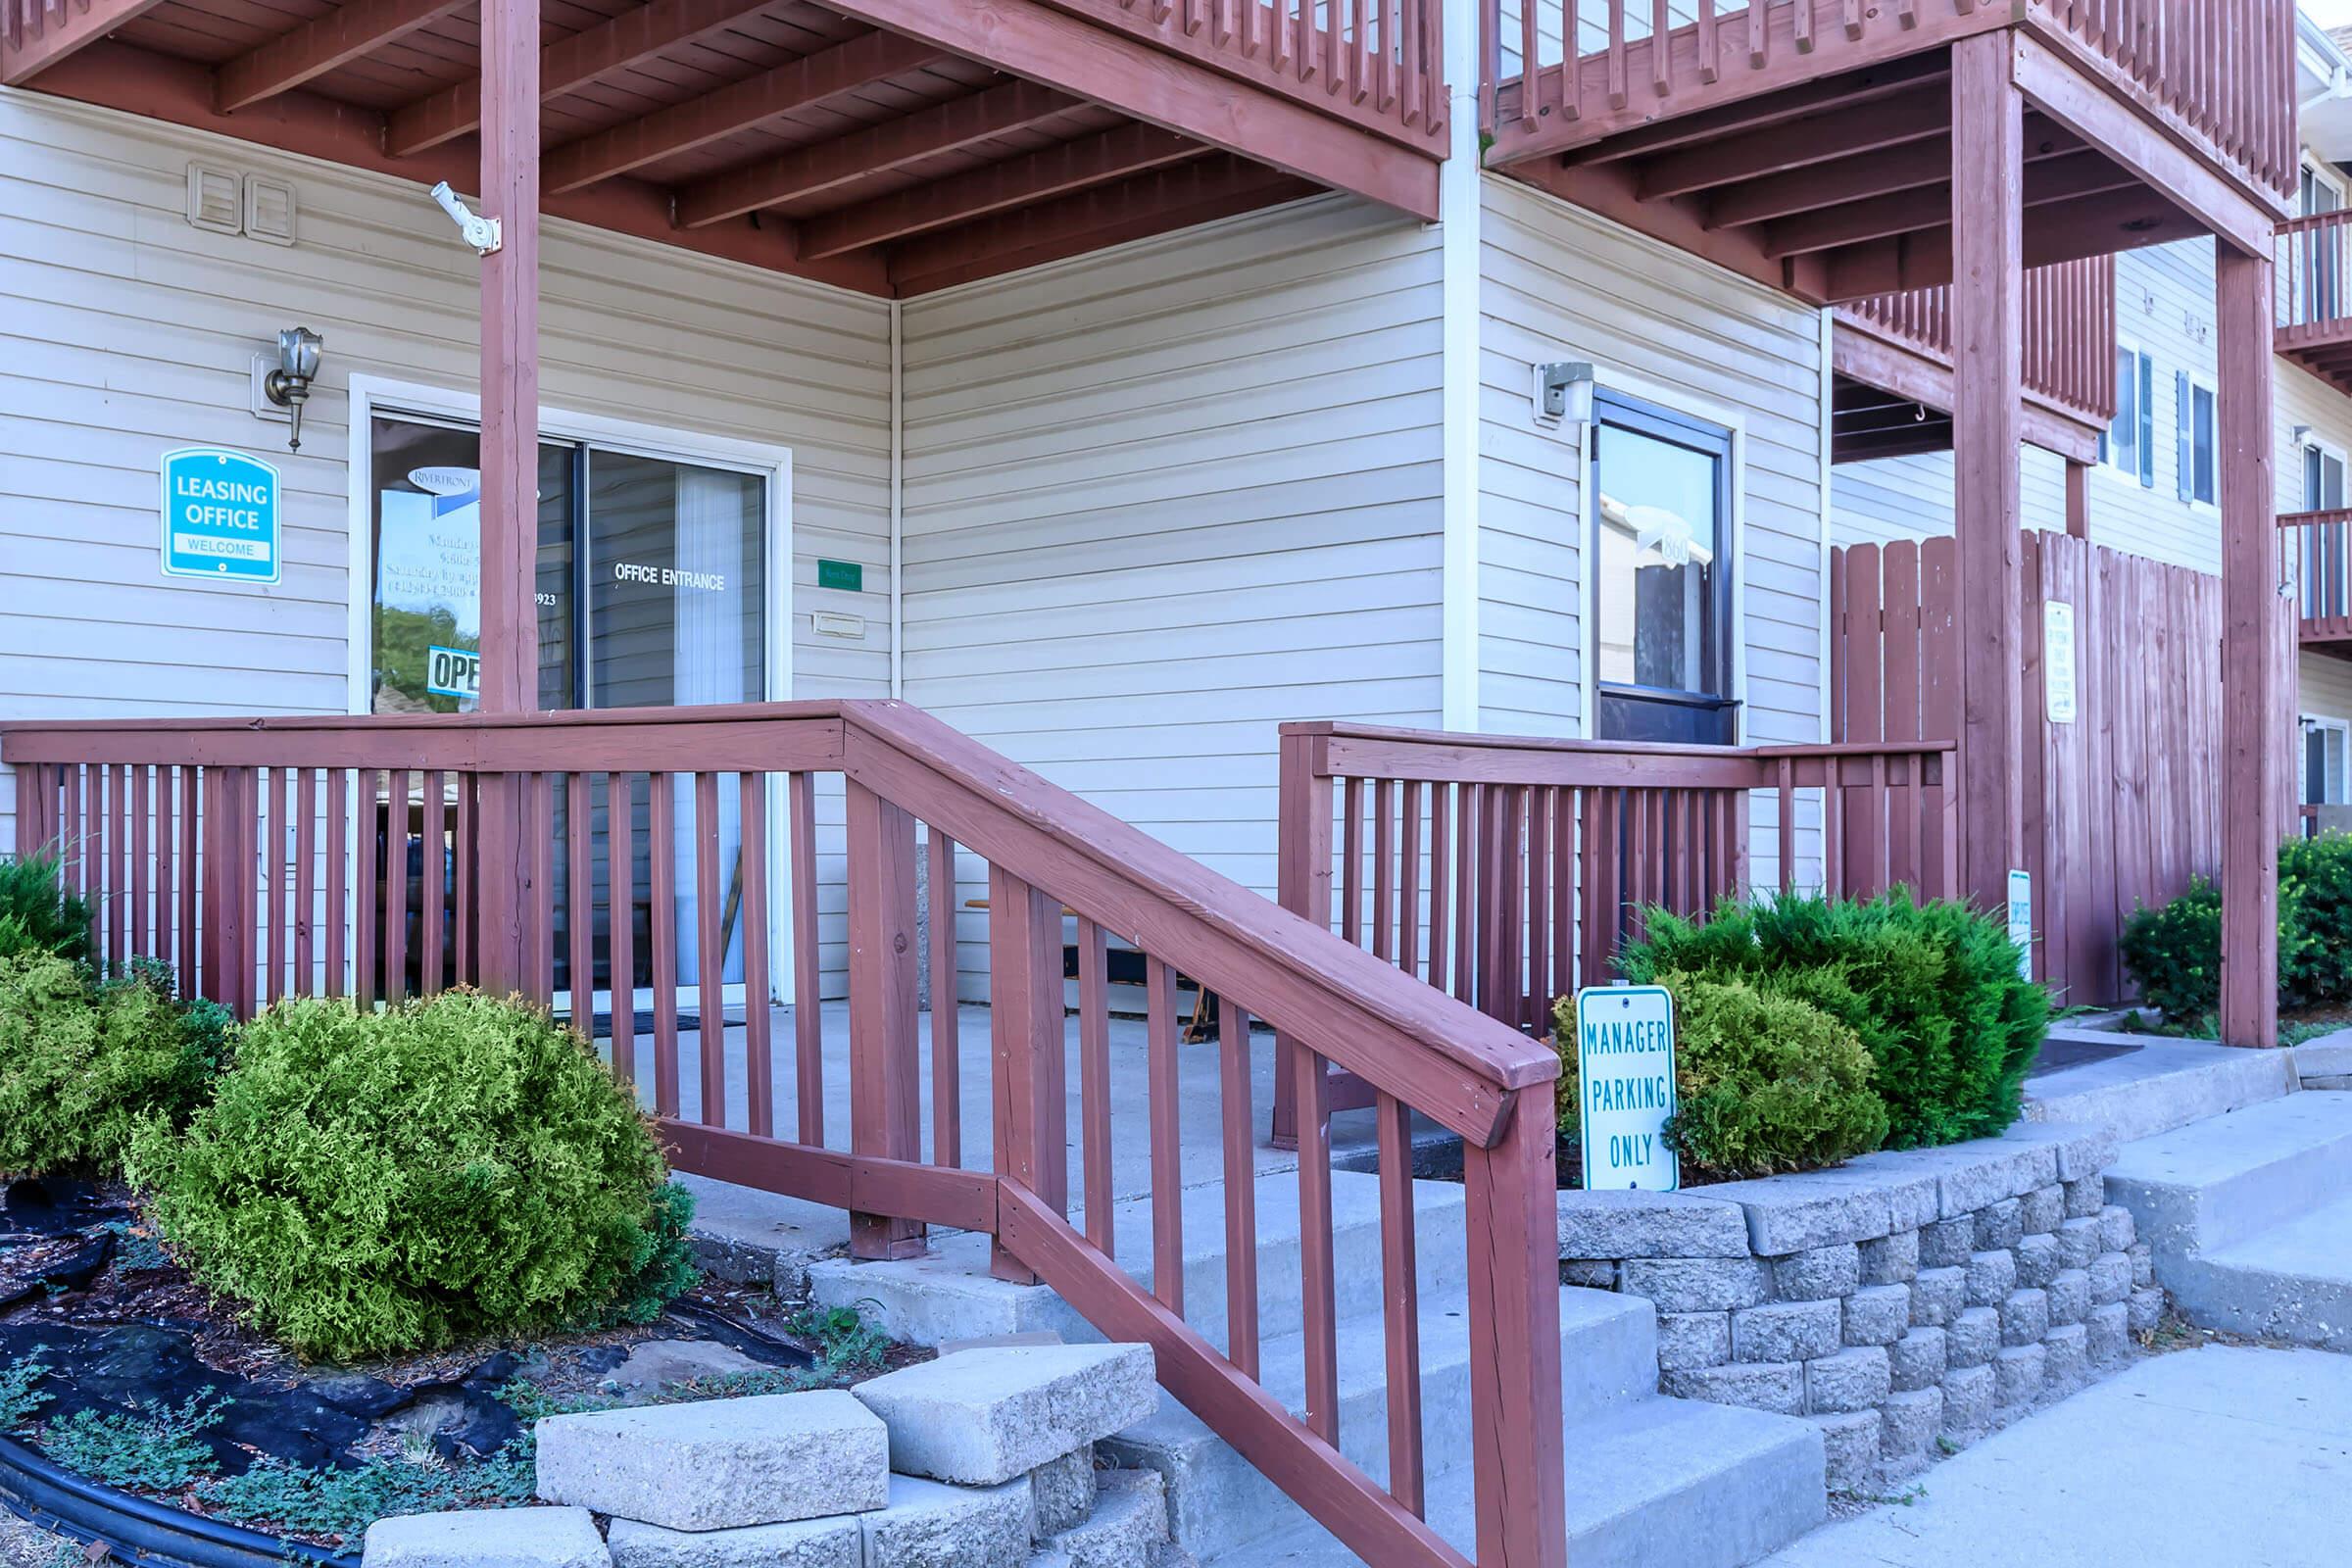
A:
{"points": [[2326, 745], [2197, 436], [2128, 443], [2322, 477]]}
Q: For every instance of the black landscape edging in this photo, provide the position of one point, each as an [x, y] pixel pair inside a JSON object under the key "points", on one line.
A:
{"points": [[139, 1531]]}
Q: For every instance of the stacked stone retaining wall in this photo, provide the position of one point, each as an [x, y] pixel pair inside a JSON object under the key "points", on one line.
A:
{"points": [[1899, 1302]]}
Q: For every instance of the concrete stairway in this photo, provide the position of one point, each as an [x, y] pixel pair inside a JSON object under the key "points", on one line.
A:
{"points": [[1650, 1480], [2248, 1217]]}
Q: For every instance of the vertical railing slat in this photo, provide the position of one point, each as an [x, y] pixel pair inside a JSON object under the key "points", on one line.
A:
{"points": [[1241, 1190], [433, 883], [1167, 1150], [759, 1049], [620, 920], [1400, 1310], [710, 951], [1094, 1080], [947, 1024], [808, 1020], [661, 845]]}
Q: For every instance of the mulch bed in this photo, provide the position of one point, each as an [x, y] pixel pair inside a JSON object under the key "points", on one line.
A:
{"points": [[86, 1288]]}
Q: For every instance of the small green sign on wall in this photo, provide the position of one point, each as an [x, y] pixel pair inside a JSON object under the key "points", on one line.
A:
{"points": [[848, 576]]}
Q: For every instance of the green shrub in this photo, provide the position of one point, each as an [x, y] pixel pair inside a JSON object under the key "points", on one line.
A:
{"points": [[37, 915], [82, 1066], [21, 1393], [2174, 952], [1763, 1083], [2314, 921], [1930, 990], [369, 1183]]}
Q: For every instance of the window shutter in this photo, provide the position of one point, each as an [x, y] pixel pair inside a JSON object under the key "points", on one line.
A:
{"points": [[2185, 445], [2147, 421]]}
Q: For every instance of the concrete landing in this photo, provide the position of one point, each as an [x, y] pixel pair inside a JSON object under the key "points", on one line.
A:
{"points": [[2212, 1456], [2222, 1179], [2163, 1085]]}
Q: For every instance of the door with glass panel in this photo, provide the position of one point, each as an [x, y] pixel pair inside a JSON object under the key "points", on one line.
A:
{"points": [[652, 589], [1660, 575]]}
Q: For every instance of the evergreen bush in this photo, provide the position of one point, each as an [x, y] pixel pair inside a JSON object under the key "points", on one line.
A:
{"points": [[2174, 952], [37, 915], [1763, 1083], [369, 1183], [82, 1066], [1932, 991]]}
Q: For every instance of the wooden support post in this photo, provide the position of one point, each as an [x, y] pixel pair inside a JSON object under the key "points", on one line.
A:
{"points": [[2258, 694], [2078, 499], [1516, 1441], [509, 458], [886, 1087], [1987, 426], [1303, 873]]}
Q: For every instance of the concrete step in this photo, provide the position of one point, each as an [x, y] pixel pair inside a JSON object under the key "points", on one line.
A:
{"points": [[2226, 1179], [1657, 1483], [2291, 1282], [949, 1295], [1218, 1501], [2163, 1085]]}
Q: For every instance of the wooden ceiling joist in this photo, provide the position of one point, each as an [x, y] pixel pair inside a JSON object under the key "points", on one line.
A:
{"points": [[2070, 178], [1197, 192], [809, 171], [1918, 116], [567, 65], [319, 46], [776, 92], [1035, 178]]}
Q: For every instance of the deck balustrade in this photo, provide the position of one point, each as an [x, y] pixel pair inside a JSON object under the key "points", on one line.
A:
{"points": [[2316, 555], [2216, 74], [269, 858]]}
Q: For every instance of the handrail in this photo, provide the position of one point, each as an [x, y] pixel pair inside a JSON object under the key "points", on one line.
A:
{"points": [[369, 854]]}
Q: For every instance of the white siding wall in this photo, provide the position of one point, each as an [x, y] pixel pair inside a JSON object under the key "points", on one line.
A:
{"points": [[124, 333], [1160, 500], [1562, 284]]}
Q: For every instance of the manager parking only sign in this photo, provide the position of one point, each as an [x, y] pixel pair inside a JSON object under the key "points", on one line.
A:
{"points": [[1625, 1086], [219, 516]]}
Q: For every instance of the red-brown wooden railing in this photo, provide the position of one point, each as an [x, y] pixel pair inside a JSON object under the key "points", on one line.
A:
{"points": [[2069, 331], [250, 857], [1508, 871], [2217, 72], [2313, 258], [1377, 63], [2316, 552]]}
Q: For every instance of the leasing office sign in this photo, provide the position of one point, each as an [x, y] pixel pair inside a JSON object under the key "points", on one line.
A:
{"points": [[219, 516]]}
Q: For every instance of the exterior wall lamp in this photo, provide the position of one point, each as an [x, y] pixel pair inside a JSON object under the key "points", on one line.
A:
{"points": [[1563, 393], [289, 385]]}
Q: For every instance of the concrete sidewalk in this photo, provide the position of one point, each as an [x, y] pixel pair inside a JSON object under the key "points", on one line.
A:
{"points": [[2217, 1456]]}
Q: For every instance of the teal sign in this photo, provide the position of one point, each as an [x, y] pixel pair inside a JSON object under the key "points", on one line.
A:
{"points": [[844, 574], [219, 516], [1625, 1085]]}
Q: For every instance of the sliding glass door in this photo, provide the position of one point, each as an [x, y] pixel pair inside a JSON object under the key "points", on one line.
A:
{"points": [[652, 591]]}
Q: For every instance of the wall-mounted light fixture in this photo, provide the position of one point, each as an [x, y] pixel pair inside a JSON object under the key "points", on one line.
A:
{"points": [[2299, 437], [289, 385], [1563, 392]]}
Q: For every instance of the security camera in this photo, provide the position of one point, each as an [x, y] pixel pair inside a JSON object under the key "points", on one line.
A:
{"points": [[479, 232]]}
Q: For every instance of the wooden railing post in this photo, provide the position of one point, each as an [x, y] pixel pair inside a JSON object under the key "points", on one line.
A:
{"points": [[1025, 1028], [886, 1106], [1303, 873], [1517, 1446]]}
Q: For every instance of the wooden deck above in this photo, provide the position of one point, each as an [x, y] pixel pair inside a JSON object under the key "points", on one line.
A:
{"points": [[1808, 143], [2315, 548], [1894, 360], [895, 146], [2315, 318]]}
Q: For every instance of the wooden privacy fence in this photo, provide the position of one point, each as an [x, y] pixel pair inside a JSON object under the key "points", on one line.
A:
{"points": [[1507, 871], [2123, 799], [240, 853]]}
